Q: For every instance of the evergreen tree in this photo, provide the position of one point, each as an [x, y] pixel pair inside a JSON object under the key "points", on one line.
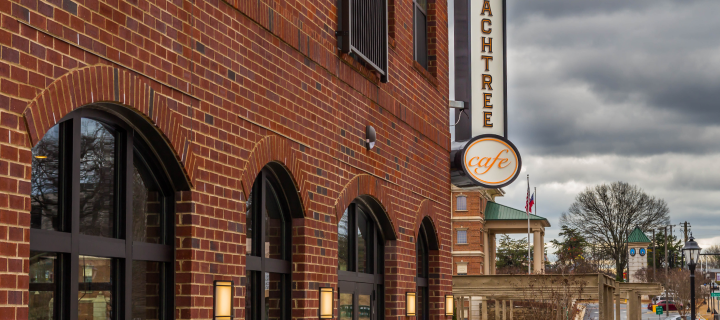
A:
{"points": [[571, 247], [512, 253], [674, 249]]}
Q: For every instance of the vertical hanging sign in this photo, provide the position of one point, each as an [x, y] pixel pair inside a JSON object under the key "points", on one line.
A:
{"points": [[488, 67]]}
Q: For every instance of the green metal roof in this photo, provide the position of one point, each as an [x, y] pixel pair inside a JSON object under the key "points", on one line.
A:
{"points": [[638, 236], [496, 211]]}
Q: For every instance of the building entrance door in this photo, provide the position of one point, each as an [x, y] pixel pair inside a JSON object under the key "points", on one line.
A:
{"points": [[357, 301]]}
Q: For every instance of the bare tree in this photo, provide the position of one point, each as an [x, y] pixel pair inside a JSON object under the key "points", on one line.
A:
{"points": [[678, 283], [677, 286], [551, 298], [713, 261], [606, 214]]}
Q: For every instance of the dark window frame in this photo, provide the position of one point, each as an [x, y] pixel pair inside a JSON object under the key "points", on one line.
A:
{"points": [[420, 35], [70, 244], [256, 263], [363, 33]]}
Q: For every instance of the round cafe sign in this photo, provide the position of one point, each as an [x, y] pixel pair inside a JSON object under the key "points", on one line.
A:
{"points": [[491, 161]]}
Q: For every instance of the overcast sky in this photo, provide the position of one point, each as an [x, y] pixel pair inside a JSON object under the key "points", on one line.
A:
{"points": [[617, 90]]}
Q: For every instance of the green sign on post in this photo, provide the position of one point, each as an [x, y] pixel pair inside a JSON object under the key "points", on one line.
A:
{"points": [[659, 310], [715, 294]]}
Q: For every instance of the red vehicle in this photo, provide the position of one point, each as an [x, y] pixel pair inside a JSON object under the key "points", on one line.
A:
{"points": [[665, 304]]}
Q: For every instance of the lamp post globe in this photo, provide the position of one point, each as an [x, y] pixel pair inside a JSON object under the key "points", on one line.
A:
{"points": [[691, 252]]}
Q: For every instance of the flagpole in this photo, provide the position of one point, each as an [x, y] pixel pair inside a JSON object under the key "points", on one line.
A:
{"points": [[528, 216], [542, 249]]}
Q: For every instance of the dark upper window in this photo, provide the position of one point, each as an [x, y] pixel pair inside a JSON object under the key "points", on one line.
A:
{"points": [[461, 203], [422, 297], [420, 45], [101, 239], [364, 33], [268, 250]]}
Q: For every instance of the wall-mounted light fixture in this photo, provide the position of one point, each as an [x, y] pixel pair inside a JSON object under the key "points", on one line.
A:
{"points": [[370, 137], [223, 300], [449, 304], [325, 309], [410, 304]]}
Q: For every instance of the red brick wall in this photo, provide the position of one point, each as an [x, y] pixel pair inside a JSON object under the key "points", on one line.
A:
{"points": [[234, 85], [474, 264]]}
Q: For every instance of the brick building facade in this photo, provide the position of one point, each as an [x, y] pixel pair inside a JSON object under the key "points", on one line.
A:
{"points": [[468, 223], [477, 220], [219, 94]]}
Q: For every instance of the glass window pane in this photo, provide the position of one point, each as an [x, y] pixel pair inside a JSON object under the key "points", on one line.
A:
{"points": [[346, 306], [344, 242], [380, 254], [95, 300], [461, 203], [45, 182], [363, 242], [422, 4], [147, 205], [421, 50], [273, 296], [97, 173], [274, 225], [43, 268], [422, 311], [462, 236], [249, 224], [146, 282], [421, 272], [364, 311]]}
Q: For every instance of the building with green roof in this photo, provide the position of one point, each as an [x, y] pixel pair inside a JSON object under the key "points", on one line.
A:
{"points": [[638, 243]]}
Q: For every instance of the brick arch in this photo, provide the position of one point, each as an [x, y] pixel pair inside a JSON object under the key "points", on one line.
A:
{"points": [[104, 84], [426, 209], [366, 185], [279, 150]]}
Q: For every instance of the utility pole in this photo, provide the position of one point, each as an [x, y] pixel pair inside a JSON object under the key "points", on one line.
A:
{"points": [[685, 225], [654, 248], [671, 229], [666, 253]]}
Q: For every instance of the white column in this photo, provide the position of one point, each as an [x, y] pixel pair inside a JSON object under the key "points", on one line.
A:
{"points": [[484, 308], [492, 253], [537, 252], [511, 310]]}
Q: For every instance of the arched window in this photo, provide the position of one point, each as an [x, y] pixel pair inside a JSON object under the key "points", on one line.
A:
{"points": [[360, 264], [426, 241], [268, 223], [422, 275], [102, 209]]}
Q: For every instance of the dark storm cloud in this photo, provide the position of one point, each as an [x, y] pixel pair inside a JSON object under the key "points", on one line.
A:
{"points": [[617, 90], [519, 9], [614, 77]]}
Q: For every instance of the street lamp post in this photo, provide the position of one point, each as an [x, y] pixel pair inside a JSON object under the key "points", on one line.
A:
{"points": [[691, 251]]}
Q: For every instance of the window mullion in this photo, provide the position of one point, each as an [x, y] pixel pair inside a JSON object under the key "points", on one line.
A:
{"points": [[126, 210], [74, 154]]}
